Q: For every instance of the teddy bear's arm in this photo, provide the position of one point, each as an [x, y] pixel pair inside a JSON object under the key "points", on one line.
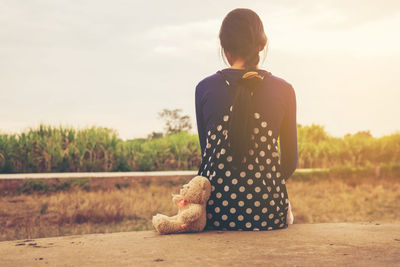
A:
{"points": [[192, 213]]}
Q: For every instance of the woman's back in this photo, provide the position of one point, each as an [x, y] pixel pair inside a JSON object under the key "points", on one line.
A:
{"points": [[251, 195]]}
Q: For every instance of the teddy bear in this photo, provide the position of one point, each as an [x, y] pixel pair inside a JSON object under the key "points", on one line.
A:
{"points": [[191, 202]]}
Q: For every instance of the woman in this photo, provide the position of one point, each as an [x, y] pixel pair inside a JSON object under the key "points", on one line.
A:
{"points": [[241, 112]]}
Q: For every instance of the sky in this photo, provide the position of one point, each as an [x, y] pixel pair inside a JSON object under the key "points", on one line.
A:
{"points": [[116, 64]]}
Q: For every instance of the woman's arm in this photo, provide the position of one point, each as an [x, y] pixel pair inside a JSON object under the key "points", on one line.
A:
{"points": [[199, 119], [288, 136]]}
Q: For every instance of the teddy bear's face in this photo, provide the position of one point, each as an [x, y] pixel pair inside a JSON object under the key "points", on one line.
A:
{"points": [[197, 190]]}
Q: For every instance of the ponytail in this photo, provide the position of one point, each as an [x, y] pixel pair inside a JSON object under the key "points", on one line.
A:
{"points": [[240, 125]]}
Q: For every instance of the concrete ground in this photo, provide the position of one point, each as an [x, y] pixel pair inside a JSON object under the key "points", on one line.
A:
{"points": [[324, 244], [137, 174]]}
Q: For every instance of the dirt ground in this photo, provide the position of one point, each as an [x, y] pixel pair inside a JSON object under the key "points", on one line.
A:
{"points": [[324, 244]]}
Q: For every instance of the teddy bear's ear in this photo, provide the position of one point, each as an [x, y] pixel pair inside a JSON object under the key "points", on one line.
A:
{"points": [[204, 184], [206, 189]]}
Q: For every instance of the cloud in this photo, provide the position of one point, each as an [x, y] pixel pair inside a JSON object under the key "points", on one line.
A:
{"points": [[185, 30], [118, 63], [180, 39], [342, 14], [323, 30]]}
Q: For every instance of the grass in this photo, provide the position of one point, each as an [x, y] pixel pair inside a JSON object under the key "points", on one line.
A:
{"points": [[49, 148], [345, 200], [129, 206]]}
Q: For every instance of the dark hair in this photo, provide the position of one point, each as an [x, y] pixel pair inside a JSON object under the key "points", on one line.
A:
{"points": [[242, 34]]}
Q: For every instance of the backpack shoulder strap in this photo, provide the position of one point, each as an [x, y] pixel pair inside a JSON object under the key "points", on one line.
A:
{"points": [[224, 77]]}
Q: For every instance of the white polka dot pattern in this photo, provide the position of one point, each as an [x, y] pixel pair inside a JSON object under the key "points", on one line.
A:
{"points": [[253, 196]]}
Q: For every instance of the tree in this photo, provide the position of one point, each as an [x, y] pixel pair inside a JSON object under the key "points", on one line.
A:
{"points": [[174, 122], [155, 135]]}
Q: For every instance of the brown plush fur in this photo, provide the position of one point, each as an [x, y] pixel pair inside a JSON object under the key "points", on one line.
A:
{"points": [[191, 202]]}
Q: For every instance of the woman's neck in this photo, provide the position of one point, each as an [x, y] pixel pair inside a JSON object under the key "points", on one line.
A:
{"points": [[239, 64]]}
